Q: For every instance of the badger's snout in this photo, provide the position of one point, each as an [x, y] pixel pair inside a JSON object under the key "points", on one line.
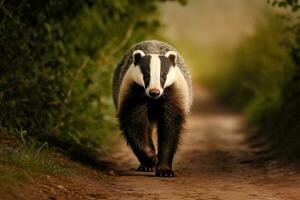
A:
{"points": [[154, 93]]}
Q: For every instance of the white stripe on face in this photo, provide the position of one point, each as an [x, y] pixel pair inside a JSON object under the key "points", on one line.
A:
{"points": [[155, 67], [133, 74], [170, 77]]}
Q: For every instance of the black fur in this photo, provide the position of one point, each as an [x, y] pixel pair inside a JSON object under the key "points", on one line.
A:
{"points": [[164, 70], [144, 64], [138, 113]]}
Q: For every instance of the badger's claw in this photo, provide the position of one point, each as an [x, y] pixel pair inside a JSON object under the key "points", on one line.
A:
{"points": [[143, 168], [164, 173]]}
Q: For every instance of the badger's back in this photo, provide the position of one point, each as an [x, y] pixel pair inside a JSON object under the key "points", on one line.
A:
{"points": [[148, 47]]}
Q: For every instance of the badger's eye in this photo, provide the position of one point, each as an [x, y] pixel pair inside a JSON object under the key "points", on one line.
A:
{"points": [[163, 76]]}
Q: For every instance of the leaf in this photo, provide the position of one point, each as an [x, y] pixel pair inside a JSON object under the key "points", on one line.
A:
{"points": [[296, 8], [274, 3], [282, 4]]}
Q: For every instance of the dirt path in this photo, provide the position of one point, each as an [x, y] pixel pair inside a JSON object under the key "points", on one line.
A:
{"points": [[213, 164]]}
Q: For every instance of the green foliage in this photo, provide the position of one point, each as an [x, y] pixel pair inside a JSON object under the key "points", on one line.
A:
{"points": [[57, 59], [259, 67], [31, 159], [20, 158], [292, 4], [264, 80], [284, 127]]}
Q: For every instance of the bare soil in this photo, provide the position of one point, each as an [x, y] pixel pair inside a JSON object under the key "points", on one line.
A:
{"points": [[214, 163]]}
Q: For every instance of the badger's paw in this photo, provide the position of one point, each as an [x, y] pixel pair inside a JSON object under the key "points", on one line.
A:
{"points": [[164, 172], [148, 163], [143, 168]]}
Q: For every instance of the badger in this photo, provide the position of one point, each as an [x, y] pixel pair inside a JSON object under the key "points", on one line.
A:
{"points": [[152, 90]]}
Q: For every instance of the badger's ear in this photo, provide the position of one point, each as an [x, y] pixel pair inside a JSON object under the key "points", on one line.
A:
{"points": [[137, 55], [172, 56]]}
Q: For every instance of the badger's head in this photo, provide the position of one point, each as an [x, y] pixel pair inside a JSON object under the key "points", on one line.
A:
{"points": [[154, 72]]}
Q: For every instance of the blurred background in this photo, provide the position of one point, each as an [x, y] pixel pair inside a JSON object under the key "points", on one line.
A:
{"points": [[57, 60], [246, 54], [238, 50]]}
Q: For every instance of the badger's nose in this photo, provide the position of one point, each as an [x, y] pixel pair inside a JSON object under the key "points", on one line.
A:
{"points": [[154, 93]]}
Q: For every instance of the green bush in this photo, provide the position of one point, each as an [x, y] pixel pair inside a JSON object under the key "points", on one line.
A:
{"points": [[263, 80], [57, 59], [283, 128], [258, 69]]}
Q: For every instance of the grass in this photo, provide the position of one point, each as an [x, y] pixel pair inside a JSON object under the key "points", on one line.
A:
{"points": [[31, 159], [11, 179], [10, 175], [21, 159]]}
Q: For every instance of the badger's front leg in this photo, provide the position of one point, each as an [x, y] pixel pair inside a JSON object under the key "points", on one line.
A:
{"points": [[137, 131], [150, 151], [169, 128]]}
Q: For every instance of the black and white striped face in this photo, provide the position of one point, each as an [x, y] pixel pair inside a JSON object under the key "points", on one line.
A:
{"points": [[154, 72]]}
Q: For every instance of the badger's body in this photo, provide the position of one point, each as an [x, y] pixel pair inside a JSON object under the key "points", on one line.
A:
{"points": [[152, 87]]}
